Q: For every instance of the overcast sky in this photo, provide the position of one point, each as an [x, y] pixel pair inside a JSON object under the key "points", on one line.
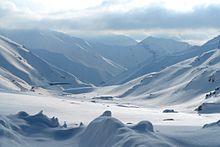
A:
{"points": [[194, 21]]}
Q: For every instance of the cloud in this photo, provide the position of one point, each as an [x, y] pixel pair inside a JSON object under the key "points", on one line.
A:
{"points": [[110, 17], [155, 17]]}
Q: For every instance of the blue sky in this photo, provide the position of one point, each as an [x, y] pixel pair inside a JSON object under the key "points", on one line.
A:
{"points": [[194, 21]]}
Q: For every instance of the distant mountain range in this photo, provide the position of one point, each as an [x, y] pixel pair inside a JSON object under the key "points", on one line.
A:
{"points": [[49, 58], [99, 59]]}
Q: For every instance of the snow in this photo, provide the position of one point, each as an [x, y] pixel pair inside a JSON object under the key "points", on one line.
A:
{"points": [[103, 56], [103, 131], [179, 83], [23, 129], [24, 69], [73, 49], [167, 46], [43, 105]]}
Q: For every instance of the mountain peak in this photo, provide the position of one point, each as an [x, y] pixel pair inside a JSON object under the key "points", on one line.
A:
{"points": [[168, 46]]}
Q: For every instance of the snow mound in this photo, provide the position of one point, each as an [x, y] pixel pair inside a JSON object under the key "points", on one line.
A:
{"points": [[23, 129], [143, 126], [39, 120], [107, 131], [107, 113]]}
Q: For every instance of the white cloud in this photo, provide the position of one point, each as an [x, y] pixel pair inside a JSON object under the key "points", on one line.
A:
{"points": [[131, 17]]}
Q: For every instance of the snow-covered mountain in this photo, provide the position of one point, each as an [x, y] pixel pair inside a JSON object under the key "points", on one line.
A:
{"points": [[76, 50], [178, 83], [193, 85], [158, 53], [20, 69], [126, 56], [120, 49], [111, 39], [162, 45], [86, 74], [99, 59], [155, 66], [211, 44], [149, 51]]}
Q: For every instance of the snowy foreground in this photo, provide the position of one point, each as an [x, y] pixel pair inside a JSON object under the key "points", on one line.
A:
{"points": [[116, 124]]}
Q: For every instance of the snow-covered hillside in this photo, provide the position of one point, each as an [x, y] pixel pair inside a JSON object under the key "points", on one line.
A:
{"points": [[126, 56], [157, 65], [76, 50], [20, 69], [149, 51], [104, 57], [211, 44], [178, 83], [84, 73], [178, 54]]}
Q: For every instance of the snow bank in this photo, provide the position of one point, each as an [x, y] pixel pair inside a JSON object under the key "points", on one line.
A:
{"points": [[23, 129], [107, 131]]}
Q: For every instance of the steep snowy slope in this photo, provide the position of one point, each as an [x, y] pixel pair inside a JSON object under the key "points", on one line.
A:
{"points": [[84, 73], [19, 67], [75, 49], [178, 83], [163, 45], [10, 82], [127, 56], [211, 44], [157, 65]]}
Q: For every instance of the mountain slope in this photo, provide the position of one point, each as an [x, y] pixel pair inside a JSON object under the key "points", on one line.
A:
{"points": [[178, 83], [111, 39], [161, 45], [75, 49], [19, 66], [155, 66], [85, 74], [211, 44], [148, 51]]}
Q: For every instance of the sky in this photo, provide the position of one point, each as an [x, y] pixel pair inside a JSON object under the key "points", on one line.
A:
{"points": [[194, 21]]}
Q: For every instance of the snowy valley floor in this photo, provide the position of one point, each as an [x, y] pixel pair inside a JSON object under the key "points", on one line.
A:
{"points": [[184, 128]]}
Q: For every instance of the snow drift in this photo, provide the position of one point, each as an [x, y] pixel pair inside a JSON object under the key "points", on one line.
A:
{"points": [[23, 129]]}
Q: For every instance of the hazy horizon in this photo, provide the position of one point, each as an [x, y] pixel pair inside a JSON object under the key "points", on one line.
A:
{"points": [[191, 21]]}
